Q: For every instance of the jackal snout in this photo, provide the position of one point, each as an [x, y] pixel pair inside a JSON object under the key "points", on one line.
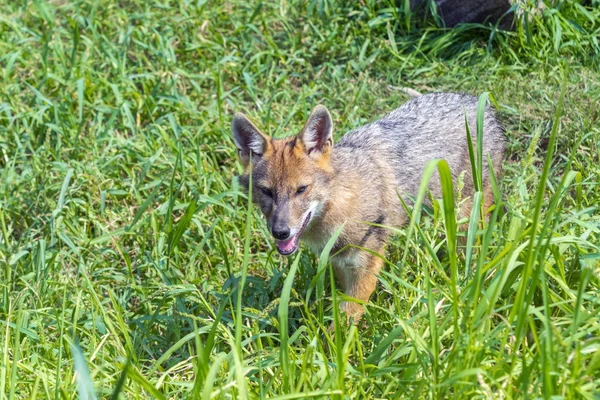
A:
{"points": [[280, 225]]}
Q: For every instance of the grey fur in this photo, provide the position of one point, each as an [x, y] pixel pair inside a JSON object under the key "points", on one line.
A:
{"points": [[427, 127]]}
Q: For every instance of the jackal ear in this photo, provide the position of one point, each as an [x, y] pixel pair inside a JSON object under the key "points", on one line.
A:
{"points": [[250, 142], [317, 133]]}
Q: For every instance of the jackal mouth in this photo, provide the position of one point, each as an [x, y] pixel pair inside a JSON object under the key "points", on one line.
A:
{"points": [[289, 246]]}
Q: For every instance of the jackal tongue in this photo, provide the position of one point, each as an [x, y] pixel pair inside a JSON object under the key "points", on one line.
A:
{"points": [[288, 246]]}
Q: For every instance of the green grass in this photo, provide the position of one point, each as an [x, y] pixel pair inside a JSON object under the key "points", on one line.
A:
{"points": [[131, 266]]}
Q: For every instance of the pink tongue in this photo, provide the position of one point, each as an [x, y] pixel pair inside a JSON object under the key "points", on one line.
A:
{"points": [[287, 245]]}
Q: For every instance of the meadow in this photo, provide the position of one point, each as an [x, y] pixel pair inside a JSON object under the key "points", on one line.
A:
{"points": [[132, 266]]}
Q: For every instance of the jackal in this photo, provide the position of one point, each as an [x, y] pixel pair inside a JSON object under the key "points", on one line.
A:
{"points": [[307, 188]]}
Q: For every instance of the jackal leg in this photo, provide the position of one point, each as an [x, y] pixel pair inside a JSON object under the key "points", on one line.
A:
{"points": [[358, 281]]}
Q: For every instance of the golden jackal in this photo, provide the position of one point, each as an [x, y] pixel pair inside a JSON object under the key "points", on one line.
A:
{"points": [[307, 188]]}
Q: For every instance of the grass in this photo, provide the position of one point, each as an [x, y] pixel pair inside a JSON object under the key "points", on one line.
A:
{"points": [[132, 267]]}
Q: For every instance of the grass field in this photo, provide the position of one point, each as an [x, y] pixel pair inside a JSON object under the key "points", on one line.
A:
{"points": [[125, 242]]}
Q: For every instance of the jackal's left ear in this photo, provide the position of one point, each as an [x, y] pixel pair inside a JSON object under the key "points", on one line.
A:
{"points": [[317, 133]]}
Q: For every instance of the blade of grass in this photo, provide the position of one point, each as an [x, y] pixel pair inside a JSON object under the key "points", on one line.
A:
{"points": [[85, 386], [339, 382], [283, 315], [318, 280], [121, 382], [181, 226], [242, 282]]}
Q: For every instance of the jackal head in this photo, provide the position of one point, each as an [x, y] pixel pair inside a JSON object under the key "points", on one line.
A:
{"points": [[290, 176]]}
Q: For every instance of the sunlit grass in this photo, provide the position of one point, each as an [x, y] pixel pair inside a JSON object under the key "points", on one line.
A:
{"points": [[125, 240]]}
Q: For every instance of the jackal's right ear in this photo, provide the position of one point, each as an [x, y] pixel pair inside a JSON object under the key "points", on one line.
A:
{"points": [[249, 141], [317, 135]]}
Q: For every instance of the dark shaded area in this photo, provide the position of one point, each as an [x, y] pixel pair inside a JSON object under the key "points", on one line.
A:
{"points": [[455, 12], [373, 230]]}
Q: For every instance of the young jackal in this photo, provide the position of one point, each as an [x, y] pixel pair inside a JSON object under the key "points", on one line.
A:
{"points": [[307, 188]]}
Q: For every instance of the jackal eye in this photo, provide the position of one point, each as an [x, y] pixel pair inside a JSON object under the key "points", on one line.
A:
{"points": [[266, 191], [301, 189]]}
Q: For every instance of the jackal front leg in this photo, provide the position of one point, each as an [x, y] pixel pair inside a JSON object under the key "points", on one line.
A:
{"points": [[358, 281]]}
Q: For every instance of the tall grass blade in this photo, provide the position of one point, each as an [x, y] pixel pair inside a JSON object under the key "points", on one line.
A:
{"points": [[283, 315], [85, 386], [181, 226], [140, 211], [318, 281], [121, 382]]}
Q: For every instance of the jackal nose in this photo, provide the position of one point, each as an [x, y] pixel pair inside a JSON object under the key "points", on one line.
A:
{"points": [[281, 232]]}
